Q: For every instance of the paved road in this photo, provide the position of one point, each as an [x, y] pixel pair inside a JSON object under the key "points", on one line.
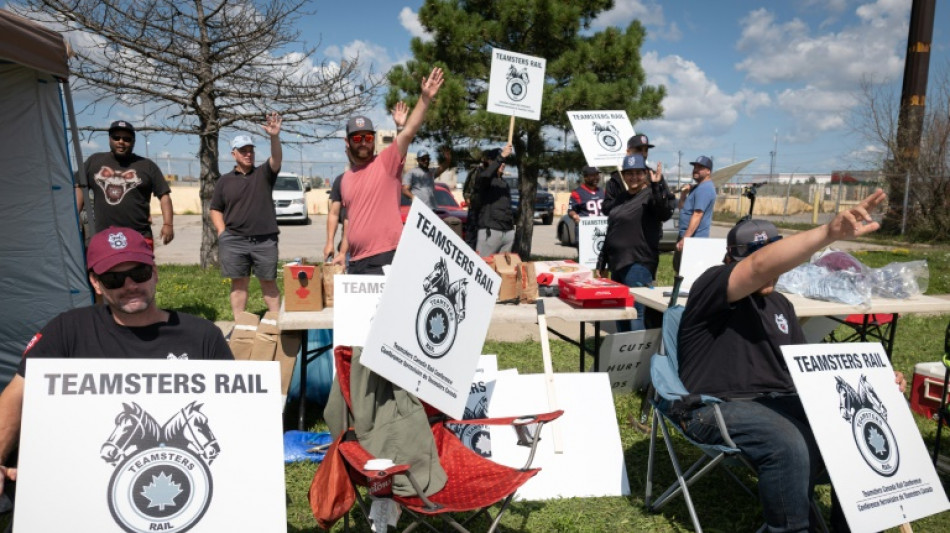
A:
{"points": [[308, 241]]}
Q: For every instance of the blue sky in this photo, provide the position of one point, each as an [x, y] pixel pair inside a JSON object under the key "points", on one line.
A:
{"points": [[739, 74]]}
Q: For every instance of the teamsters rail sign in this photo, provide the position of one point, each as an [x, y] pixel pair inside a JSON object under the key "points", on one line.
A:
{"points": [[602, 135], [434, 313], [151, 445], [516, 87], [878, 463]]}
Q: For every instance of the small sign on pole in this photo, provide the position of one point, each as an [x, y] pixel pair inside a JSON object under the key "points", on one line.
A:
{"points": [[602, 135], [516, 87], [591, 232], [871, 446], [432, 319]]}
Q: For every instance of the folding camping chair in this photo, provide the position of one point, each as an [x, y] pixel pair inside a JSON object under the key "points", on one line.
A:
{"points": [[474, 483], [664, 374], [880, 326]]}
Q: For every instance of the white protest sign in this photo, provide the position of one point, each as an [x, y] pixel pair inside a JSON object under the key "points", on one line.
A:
{"points": [[602, 135], [476, 437], [699, 254], [871, 446], [626, 358], [516, 87], [151, 445], [354, 306], [432, 319], [591, 232], [591, 463]]}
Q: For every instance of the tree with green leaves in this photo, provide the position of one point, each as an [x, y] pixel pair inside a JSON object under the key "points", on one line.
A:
{"points": [[585, 71], [205, 67]]}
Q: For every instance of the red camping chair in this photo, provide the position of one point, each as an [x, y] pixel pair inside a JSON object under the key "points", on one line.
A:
{"points": [[880, 326], [474, 484]]}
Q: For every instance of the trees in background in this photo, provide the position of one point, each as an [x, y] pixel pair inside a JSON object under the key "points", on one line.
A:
{"points": [[586, 70], [207, 66]]}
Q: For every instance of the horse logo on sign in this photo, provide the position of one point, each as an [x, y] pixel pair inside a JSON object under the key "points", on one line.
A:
{"points": [[441, 311], [517, 86], [868, 417], [161, 480], [608, 136]]}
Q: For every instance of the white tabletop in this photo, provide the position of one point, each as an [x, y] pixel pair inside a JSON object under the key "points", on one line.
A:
{"points": [[804, 307], [503, 313]]}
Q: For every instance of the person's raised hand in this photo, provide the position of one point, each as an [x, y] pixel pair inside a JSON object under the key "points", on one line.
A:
{"points": [[432, 83], [272, 124], [400, 114], [857, 221]]}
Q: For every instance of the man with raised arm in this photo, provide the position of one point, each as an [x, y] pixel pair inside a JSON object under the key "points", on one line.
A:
{"points": [[372, 185], [729, 347]]}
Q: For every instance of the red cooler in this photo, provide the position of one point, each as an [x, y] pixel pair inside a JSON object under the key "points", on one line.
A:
{"points": [[927, 388]]}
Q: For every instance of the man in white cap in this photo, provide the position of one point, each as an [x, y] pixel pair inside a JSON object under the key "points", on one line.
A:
{"points": [[242, 211], [371, 186], [123, 184], [128, 324]]}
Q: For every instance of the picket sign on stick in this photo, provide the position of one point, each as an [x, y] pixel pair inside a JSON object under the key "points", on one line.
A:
{"points": [[511, 129], [549, 376]]}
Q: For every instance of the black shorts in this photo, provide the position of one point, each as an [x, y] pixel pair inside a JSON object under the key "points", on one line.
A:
{"points": [[240, 255], [371, 265]]}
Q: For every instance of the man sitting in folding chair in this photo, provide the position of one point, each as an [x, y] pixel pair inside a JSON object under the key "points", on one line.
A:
{"points": [[729, 347]]}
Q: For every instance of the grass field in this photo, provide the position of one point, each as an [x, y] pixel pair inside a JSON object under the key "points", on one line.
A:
{"points": [[721, 505]]}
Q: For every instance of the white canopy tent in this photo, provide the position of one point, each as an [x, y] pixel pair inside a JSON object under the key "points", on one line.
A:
{"points": [[42, 265]]}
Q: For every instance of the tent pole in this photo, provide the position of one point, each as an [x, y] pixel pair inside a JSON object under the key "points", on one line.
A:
{"points": [[79, 176]]}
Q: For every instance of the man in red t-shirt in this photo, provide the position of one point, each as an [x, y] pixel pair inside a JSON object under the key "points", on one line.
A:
{"points": [[371, 186]]}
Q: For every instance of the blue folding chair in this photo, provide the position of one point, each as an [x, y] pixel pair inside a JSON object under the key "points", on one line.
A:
{"points": [[664, 373]]}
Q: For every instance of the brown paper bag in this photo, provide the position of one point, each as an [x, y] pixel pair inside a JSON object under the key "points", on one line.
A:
{"points": [[303, 287], [242, 336], [528, 284], [288, 344], [507, 264], [329, 270], [265, 341]]}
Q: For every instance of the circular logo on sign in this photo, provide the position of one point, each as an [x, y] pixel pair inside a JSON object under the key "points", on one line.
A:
{"points": [[159, 489], [875, 441], [436, 325], [608, 140], [517, 89]]}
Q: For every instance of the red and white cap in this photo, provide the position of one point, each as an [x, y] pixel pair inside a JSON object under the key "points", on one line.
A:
{"points": [[115, 245]]}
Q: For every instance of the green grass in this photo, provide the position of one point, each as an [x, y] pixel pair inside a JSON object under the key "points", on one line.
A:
{"points": [[722, 506]]}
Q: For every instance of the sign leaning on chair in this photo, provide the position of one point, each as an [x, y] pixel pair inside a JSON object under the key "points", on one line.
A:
{"points": [[870, 444], [151, 445], [431, 321]]}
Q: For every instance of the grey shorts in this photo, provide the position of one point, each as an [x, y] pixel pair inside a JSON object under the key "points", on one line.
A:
{"points": [[239, 255]]}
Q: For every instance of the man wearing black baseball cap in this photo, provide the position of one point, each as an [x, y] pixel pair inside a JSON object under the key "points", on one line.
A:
{"points": [[696, 206], [127, 325], [729, 347], [122, 184]]}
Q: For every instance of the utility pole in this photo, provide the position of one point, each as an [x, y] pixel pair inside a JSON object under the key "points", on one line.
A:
{"points": [[679, 168], [772, 153]]}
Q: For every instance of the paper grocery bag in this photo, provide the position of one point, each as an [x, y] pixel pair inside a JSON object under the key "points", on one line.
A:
{"points": [[507, 265], [242, 336], [528, 283], [329, 270]]}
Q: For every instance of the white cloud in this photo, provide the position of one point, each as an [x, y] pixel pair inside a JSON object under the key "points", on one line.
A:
{"points": [[648, 12], [695, 105], [410, 21], [369, 54]]}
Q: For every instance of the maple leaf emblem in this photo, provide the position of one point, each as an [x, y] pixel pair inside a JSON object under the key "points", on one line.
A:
{"points": [[877, 441], [162, 491], [437, 326]]}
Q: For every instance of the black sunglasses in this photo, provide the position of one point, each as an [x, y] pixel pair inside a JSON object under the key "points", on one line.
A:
{"points": [[118, 138], [115, 280], [745, 250]]}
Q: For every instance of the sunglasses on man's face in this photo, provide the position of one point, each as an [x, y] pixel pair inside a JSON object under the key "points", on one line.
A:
{"points": [[115, 280], [745, 250], [122, 138], [360, 137]]}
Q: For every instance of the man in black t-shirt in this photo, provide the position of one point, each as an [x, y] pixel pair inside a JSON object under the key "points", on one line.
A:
{"points": [[242, 211], [123, 184], [129, 325], [729, 346]]}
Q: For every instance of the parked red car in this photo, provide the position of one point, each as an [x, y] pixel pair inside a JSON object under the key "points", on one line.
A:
{"points": [[446, 206]]}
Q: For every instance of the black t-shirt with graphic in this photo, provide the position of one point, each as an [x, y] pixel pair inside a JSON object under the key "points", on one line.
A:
{"points": [[92, 333], [733, 350], [246, 201], [123, 190]]}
